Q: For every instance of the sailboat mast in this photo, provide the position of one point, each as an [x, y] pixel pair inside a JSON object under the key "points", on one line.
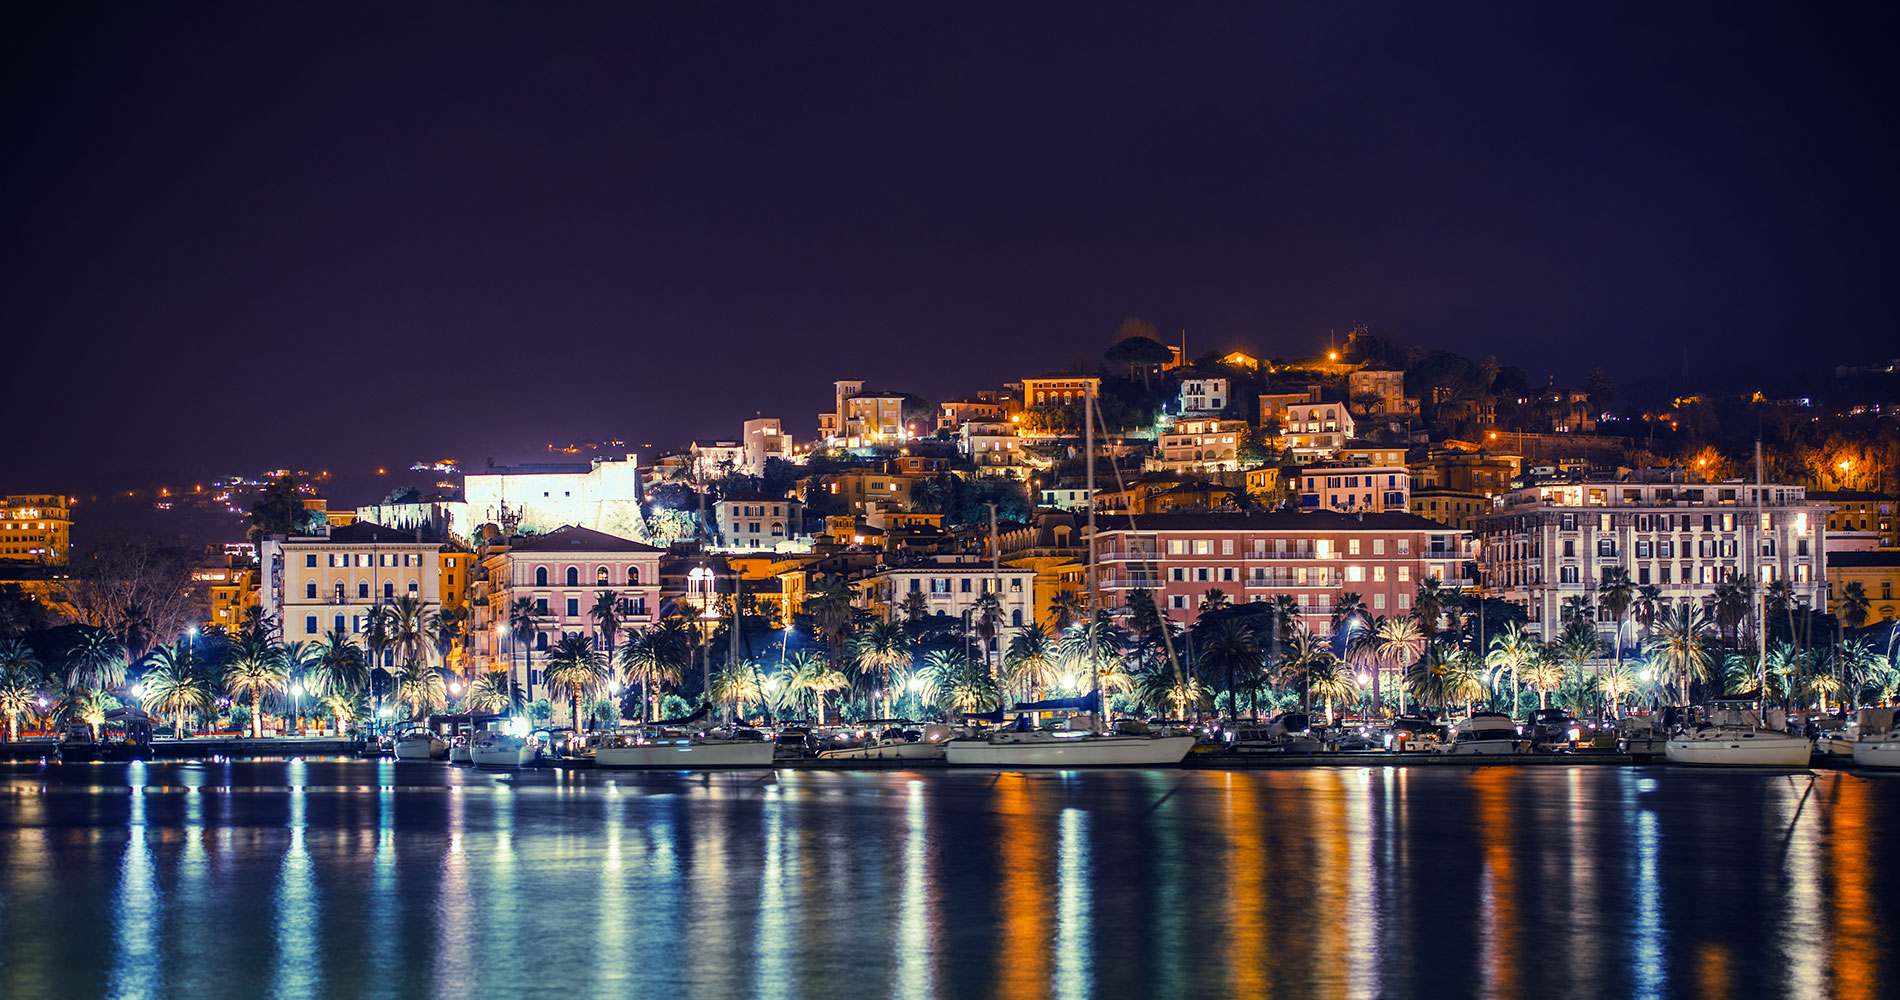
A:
{"points": [[1088, 460], [1761, 598]]}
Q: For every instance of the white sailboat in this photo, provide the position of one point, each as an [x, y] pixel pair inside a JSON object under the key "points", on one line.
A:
{"points": [[420, 744], [1065, 748], [494, 748], [678, 749], [1877, 743], [1735, 737], [891, 743]]}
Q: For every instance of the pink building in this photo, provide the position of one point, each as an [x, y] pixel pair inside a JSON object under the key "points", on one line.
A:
{"points": [[1311, 557]]}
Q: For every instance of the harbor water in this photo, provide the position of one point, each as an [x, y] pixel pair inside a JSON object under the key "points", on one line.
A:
{"points": [[366, 878]]}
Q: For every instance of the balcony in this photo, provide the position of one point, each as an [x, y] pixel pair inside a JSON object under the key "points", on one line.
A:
{"points": [[1127, 581], [1127, 555]]}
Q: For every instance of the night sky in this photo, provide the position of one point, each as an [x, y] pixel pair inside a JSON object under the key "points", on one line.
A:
{"points": [[348, 234]]}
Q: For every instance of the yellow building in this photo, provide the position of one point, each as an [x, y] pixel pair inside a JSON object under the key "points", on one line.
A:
{"points": [[1457, 508], [1860, 511], [1878, 574], [36, 528], [1059, 390], [229, 590], [1264, 484]]}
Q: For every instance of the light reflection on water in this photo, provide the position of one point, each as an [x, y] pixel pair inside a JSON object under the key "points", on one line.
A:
{"points": [[373, 879]]}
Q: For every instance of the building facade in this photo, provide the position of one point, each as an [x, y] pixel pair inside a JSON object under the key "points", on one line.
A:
{"points": [[1878, 574], [1388, 386], [311, 585], [764, 439], [1198, 445], [1543, 544], [1312, 558], [36, 528], [1059, 390], [1204, 397], [752, 522], [1356, 488]]}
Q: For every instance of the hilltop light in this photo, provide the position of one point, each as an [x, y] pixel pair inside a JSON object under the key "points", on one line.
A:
{"points": [[1332, 355]]}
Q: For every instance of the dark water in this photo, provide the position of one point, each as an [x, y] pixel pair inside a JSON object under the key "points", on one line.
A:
{"points": [[373, 879]]}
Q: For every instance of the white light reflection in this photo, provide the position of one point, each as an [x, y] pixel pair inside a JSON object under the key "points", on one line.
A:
{"points": [[135, 918], [297, 972], [452, 966], [384, 912], [1073, 959], [915, 951], [1801, 929], [773, 941], [1366, 918], [610, 971], [1646, 932]]}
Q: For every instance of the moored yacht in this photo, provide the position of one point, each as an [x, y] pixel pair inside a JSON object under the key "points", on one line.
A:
{"points": [[1486, 733], [420, 744], [896, 739], [1877, 744], [679, 749], [495, 748], [1735, 737], [1077, 746]]}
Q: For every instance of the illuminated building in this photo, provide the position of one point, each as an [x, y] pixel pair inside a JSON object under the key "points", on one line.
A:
{"points": [[1204, 396], [1477, 472], [1878, 574], [715, 459], [752, 521], [1313, 558], [1309, 427], [229, 589], [563, 573], [1453, 507], [1355, 488], [1858, 513], [602, 495], [984, 407], [1388, 386], [1198, 445], [762, 440], [951, 586], [311, 584], [36, 528], [1545, 543], [1059, 390]]}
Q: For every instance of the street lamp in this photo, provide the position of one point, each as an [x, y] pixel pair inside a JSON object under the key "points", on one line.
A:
{"points": [[296, 694]]}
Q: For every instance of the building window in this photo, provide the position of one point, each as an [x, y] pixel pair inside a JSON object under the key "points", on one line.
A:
{"points": [[389, 590], [339, 591], [540, 576], [362, 590], [633, 576], [310, 625], [573, 576], [310, 590], [573, 607], [310, 561], [600, 577], [541, 608], [964, 585]]}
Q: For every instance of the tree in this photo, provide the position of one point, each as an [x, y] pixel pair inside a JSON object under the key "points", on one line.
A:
{"points": [[987, 618], [811, 678], [340, 667], [1544, 672], [524, 625], [1065, 606], [422, 687], [411, 628], [19, 683], [1854, 604], [1428, 606], [1679, 646], [493, 693], [1138, 349], [877, 652], [1030, 659], [1226, 647], [606, 617], [1616, 592], [253, 667], [1512, 650], [1401, 640], [1214, 599], [279, 511], [95, 660], [173, 685], [575, 671]]}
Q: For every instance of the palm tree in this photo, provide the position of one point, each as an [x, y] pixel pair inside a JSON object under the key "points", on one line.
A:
{"points": [[1030, 658], [524, 625], [1681, 647], [1729, 604], [296, 657], [1544, 672], [1459, 678], [1854, 605], [987, 618], [877, 652], [1616, 592], [340, 667], [957, 683], [1579, 644], [575, 671], [1331, 678], [1065, 607], [1428, 606], [173, 684], [96, 660], [1229, 647], [1617, 683], [606, 616], [1215, 599], [1090, 647], [412, 626], [1401, 641], [253, 666], [1511, 650], [494, 693], [829, 602], [915, 608], [1297, 662], [422, 687], [1349, 608], [19, 683], [813, 678], [1362, 646], [1648, 605]]}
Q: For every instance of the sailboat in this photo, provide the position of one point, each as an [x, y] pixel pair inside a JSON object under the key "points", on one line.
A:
{"points": [[675, 744], [1877, 742]]}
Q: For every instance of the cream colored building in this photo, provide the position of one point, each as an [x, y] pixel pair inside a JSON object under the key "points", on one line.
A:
{"points": [[313, 584]]}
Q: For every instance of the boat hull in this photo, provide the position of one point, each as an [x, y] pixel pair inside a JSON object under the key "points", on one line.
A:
{"points": [[1740, 752], [520, 756], [1487, 747], [889, 751], [460, 755], [411, 750], [1086, 751], [1879, 753], [687, 756]]}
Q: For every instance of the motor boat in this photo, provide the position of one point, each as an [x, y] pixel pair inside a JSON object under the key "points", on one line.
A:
{"points": [[495, 748], [680, 749], [1486, 733], [459, 751], [1877, 743], [1288, 733], [1553, 729], [1411, 733], [420, 744], [78, 743], [1735, 737], [1638, 736], [898, 740], [1078, 745]]}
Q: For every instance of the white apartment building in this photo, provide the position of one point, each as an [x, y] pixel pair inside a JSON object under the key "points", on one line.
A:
{"points": [[603, 495], [715, 459], [764, 439], [995, 447], [563, 573], [1204, 396], [951, 588], [756, 522], [1198, 445], [1315, 431], [1545, 543], [313, 584]]}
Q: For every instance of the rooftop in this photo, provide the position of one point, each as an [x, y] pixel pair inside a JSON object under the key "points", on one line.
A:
{"points": [[577, 539], [1289, 521]]}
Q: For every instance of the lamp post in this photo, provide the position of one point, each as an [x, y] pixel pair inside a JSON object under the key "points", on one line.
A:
{"points": [[703, 581], [296, 695]]}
